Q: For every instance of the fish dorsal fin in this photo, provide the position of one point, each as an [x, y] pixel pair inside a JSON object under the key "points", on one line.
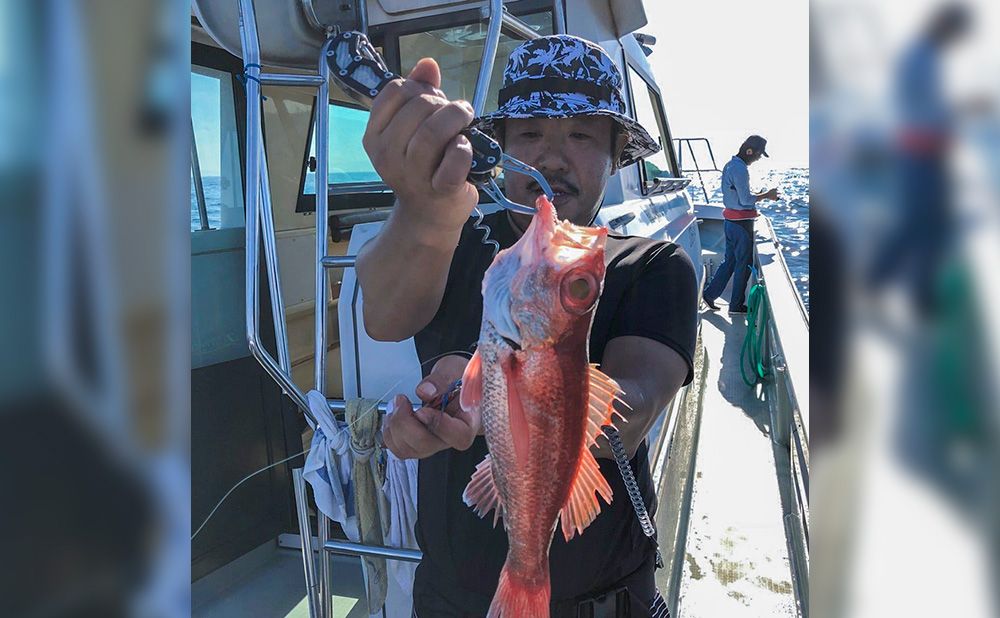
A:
{"points": [[481, 492], [472, 384], [604, 392], [581, 506]]}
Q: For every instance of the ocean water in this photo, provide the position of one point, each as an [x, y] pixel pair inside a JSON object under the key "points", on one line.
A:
{"points": [[213, 203], [789, 215]]}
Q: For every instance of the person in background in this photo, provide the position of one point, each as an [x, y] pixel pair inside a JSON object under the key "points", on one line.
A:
{"points": [[741, 210], [922, 237]]}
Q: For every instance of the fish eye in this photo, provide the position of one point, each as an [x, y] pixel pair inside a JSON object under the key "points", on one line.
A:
{"points": [[579, 288], [579, 291]]}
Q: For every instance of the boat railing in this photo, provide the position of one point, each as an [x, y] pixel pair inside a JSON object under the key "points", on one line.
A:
{"points": [[782, 333], [688, 142], [260, 229]]}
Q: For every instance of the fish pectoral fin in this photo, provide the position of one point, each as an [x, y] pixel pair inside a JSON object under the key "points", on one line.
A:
{"points": [[581, 506], [603, 393], [481, 493], [472, 384], [520, 432]]}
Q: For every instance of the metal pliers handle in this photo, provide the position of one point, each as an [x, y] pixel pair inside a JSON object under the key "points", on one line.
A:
{"points": [[358, 68]]}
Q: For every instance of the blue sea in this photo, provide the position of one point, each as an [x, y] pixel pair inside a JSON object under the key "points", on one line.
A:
{"points": [[790, 215]]}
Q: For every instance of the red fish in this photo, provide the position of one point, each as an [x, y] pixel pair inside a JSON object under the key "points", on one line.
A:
{"points": [[542, 403]]}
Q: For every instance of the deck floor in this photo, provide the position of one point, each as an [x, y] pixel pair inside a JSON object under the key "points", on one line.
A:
{"points": [[736, 562], [274, 586]]}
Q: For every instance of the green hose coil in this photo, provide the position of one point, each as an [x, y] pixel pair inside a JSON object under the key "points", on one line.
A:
{"points": [[752, 355]]}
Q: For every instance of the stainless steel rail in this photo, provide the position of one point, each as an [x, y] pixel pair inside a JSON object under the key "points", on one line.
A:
{"points": [[266, 220], [305, 535], [338, 261], [518, 27], [698, 169], [489, 55], [324, 586], [280, 79], [254, 164], [357, 549], [339, 405], [322, 134], [260, 222]]}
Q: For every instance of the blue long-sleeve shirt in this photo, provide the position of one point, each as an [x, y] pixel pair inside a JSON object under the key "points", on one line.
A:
{"points": [[736, 195], [919, 98]]}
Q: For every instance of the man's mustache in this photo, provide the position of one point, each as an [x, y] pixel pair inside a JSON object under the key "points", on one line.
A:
{"points": [[558, 184]]}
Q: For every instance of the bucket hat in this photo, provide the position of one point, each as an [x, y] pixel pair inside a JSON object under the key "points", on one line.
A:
{"points": [[563, 76]]}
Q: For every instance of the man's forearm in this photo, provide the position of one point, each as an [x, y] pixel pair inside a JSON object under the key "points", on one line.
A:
{"points": [[403, 272], [649, 374], [640, 418]]}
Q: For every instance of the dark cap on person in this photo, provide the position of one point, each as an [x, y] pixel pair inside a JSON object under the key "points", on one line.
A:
{"points": [[755, 142]]}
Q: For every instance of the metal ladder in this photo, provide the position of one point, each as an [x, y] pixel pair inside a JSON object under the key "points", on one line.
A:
{"points": [[260, 224]]}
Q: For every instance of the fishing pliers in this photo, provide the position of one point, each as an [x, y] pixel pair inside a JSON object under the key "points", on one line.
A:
{"points": [[358, 68]]}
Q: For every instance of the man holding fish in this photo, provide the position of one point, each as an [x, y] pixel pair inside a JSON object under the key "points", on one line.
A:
{"points": [[577, 325]]}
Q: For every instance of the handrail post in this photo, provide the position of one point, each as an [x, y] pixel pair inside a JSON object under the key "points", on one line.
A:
{"points": [[322, 215], [252, 191], [271, 261], [252, 196], [305, 537], [489, 56], [697, 168], [323, 587]]}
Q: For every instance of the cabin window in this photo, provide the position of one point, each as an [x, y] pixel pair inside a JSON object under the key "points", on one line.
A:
{"points": [[459, 51], [648, 110], [218, 331], [216, 143], [348, 162]]}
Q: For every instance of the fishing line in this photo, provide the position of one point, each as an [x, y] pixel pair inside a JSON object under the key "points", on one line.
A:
{"points": [[243, 480], [278, 463]]}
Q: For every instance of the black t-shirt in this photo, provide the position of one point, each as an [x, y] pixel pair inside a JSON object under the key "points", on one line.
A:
{"points": [[649, 291]]}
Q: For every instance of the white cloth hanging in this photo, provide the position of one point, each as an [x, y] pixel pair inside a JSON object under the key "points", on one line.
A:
{"points": [[401, 490], [328, 470], [328, 467]]}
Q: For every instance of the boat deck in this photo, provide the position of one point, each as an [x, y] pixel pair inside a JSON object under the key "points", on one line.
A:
{"points": [[736, 559], [269, 582]]}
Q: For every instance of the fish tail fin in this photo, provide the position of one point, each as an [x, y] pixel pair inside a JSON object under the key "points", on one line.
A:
{"points": [[519, 597]]}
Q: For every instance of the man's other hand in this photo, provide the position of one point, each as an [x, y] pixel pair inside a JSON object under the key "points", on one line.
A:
{"points": [[772, 194], [413, 140], [416, 434]]}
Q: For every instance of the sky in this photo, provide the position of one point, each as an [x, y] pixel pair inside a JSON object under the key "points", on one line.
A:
{"points": [[205, 94], [729, 68]]}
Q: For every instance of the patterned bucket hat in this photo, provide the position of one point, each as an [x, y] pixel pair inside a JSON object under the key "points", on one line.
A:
{"points": [[562, 76]]}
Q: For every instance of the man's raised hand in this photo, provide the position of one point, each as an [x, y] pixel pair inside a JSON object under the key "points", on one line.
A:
{"points": [[413, 140]]}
